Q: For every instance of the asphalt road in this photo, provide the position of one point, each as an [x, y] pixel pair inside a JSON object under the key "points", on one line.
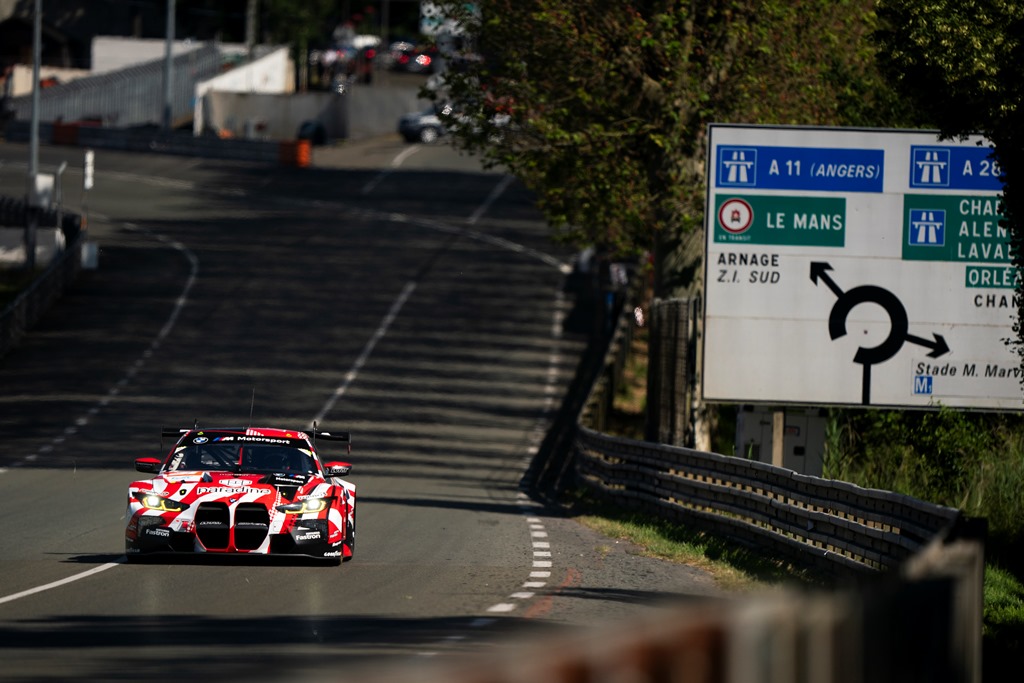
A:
{"points": [[396, 291]]}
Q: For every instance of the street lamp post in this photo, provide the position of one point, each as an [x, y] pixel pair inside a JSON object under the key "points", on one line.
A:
{"points": [[32, 206], [168, 71]]}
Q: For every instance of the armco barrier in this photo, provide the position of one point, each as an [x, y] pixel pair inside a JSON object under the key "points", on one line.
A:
{"points": [[151, 139], [830, 524], [21, 314]]}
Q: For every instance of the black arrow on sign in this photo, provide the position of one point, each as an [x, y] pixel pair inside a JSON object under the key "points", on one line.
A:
{"points": [[899, 323]]}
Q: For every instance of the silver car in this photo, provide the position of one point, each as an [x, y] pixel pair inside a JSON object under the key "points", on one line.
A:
{"points": [[426, 125]]}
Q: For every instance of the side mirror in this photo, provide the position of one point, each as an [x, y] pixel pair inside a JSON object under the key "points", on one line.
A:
{"points": [[337, 469], [151, 465]]}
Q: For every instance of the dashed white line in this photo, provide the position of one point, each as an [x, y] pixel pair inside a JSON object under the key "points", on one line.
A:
{"points": [[381, 330], [55, 584], [138, 363]]}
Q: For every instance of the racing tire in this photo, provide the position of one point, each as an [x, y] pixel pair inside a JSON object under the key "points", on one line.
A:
{"points": [[350, 538]]}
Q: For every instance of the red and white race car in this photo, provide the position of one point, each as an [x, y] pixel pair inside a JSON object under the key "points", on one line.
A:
{"points": [[255, 491]]}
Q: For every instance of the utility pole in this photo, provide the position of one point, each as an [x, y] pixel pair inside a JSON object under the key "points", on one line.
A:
{"points": [[250, 26], [32, 208], [167, 120]]}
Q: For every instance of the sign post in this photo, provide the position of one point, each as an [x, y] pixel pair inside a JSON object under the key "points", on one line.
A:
{"points": [[856, 267]]}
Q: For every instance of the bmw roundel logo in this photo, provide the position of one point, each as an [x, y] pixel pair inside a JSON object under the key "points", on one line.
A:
{"points": [[200, 439]]}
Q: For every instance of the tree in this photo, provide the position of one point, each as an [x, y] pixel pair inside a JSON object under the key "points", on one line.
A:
{"points": [[962, 62], [298, 23], [602, 107]]}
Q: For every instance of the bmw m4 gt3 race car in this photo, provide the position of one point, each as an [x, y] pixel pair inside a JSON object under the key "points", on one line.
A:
{"points": [[243, 491]]}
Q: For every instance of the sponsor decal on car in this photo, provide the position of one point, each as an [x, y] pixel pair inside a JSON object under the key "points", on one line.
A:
{"points": [[309, 536], [157, 531], [228, 489]]}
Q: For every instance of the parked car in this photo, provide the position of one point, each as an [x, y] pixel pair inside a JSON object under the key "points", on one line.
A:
{"points": [[348, 63], [427, 125], [416, 59]]}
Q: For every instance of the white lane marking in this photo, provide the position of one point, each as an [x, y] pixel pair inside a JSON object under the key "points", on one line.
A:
{"points": [[535, 525], [395, 163], [133, 368], [502, 607], [495, 193], [56, 584], [381, 330]]}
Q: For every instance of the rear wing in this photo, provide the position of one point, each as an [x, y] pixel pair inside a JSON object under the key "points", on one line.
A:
{"points": [[344, 437], [334, 436]]}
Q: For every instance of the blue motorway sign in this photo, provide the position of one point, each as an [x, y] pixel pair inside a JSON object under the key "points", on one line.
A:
{"points": [[800, 168], [953, 168]]}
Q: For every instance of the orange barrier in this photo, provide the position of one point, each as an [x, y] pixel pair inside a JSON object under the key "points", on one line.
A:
{"points": [[295, 153]]}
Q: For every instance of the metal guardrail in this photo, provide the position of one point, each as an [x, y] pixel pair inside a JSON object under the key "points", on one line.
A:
{"points": [[30, 305], [816, 521], [285, 152]]}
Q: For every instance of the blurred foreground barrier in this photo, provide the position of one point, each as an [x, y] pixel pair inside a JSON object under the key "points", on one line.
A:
{"points": [[917, 625]]}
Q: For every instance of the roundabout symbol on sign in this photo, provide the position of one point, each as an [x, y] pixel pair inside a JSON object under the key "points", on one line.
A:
{"points": [[899, 324], [735, 215]]}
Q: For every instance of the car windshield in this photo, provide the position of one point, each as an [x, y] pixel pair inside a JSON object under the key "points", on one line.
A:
{"points": [[235, 457]]}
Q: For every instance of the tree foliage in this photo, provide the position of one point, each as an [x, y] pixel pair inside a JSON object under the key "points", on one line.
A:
{"points": [[298, 23], [610, 102], [962, 62]]}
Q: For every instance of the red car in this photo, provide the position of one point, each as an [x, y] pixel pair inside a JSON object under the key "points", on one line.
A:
{"points": [[256, 491]]}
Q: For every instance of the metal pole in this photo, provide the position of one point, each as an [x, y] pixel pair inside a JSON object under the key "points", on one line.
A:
{"points": [[778, 437], [32, 209], [168, 72], [250, 26]]}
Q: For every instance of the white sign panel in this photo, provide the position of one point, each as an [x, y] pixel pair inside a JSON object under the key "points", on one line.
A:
{"points": [[856, 267]]}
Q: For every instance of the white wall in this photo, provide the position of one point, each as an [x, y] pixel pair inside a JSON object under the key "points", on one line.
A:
{"points": [[273, 74]]}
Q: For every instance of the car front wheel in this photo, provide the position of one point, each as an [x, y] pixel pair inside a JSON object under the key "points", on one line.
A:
{"points": [[350, 538]]}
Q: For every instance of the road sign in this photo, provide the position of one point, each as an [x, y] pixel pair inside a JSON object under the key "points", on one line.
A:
{"points": [[856, 267]]}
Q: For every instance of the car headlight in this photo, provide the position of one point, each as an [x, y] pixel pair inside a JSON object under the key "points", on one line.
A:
{"points": [[304, 506], [152, 501]]}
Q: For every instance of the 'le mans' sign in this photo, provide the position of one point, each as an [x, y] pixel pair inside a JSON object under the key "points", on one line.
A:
{"points": [[856, 267]]}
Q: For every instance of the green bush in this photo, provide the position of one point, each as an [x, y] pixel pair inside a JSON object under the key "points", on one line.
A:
{"points": [[970, 461]]}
